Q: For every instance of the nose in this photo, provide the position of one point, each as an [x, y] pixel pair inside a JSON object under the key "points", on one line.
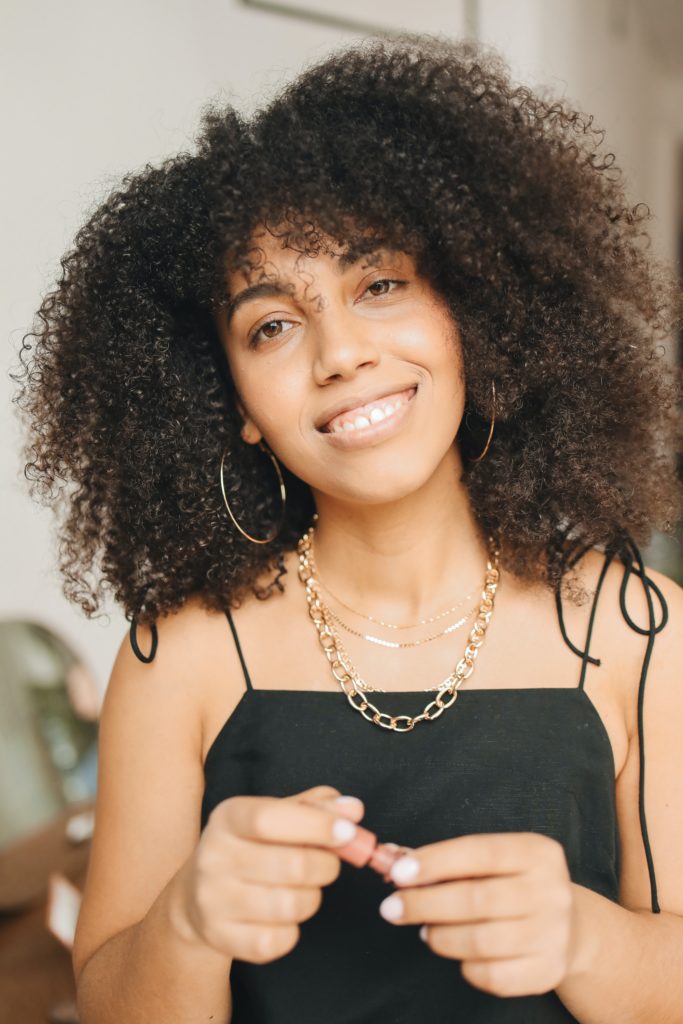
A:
{"points": [[343, 344]]}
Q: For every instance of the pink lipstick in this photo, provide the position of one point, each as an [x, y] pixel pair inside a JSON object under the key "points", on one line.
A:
{"points": [[365, 851]]}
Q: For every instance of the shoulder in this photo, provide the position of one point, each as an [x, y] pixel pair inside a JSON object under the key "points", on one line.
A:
{"points": [[627, 609], [190, 659], [656, 600]]}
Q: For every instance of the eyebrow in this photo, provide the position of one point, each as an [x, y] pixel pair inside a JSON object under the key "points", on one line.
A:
{"points": [[278, 287]]}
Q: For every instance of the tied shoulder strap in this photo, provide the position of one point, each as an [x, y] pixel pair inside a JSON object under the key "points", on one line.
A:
{"points": [[632, 559], [631, 554]]}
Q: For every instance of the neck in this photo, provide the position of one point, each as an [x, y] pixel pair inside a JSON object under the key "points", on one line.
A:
{"points": [[406, 559]]}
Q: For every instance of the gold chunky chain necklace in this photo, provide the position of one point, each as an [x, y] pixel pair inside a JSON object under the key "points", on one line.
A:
{"points": [[347, 677]]}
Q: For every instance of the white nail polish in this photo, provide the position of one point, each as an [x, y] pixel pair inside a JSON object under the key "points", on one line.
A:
{"points": [[423, 932], [404, 869], [343, 830], [392, 907]]}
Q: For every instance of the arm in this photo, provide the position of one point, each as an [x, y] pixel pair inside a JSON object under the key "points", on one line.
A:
{"points": [[132, 959], [151, 972], [628, 961], [628, 964]]}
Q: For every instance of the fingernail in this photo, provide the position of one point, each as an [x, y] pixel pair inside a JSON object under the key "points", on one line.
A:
{"points": [[348, 801], [343, 830], [392, 907], [404, 869], [423, 932]]}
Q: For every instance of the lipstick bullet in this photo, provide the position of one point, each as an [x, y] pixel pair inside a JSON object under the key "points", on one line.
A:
{"points": [[364, 850]]}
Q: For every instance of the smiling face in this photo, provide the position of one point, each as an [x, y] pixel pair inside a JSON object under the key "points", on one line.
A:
{"points": [[350, 369]]}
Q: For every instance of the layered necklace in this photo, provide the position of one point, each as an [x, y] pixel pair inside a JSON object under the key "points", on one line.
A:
{"points": [[347, 676]]}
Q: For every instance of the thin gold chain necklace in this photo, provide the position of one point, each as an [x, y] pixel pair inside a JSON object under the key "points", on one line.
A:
{"points": [[348, 678], [360, 683], [394, 643], [370, 618]]}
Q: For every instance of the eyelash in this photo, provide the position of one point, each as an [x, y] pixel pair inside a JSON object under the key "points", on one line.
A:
{"points": [[380, 280]]}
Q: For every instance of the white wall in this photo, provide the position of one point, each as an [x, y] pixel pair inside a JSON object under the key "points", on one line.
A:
{"points": [[92, 90]]}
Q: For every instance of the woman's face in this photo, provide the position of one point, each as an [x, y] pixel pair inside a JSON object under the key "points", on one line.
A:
{"points": [[350, 371]]}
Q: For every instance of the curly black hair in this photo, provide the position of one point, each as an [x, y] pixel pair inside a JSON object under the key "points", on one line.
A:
{"points": [[510, 211]]}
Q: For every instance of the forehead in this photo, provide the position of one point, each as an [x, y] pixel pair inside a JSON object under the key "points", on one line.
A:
{"points": [[273, 252]]}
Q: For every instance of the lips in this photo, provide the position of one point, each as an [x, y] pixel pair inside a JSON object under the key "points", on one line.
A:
{"points": [[361, 405]]}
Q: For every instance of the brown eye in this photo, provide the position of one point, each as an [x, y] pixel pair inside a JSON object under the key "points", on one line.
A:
{"points": [[384, 280], [254, 336]]}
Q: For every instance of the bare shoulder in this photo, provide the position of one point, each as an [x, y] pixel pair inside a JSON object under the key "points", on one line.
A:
{"points": [[622, 625]]}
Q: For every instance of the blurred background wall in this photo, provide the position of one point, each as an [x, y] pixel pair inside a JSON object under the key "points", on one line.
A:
{"points": [[93, 90]]}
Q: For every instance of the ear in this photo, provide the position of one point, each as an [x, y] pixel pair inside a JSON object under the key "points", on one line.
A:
{"points": [[249, 432]]}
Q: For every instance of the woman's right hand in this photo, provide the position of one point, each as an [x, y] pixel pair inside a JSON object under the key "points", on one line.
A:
{"points": [[258, 870]]}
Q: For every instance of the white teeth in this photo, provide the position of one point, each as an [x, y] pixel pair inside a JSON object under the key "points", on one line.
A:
{"points": [[376, 415]]}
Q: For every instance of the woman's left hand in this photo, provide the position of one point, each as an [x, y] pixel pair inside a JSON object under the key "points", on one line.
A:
{"points": [[503, 904]]}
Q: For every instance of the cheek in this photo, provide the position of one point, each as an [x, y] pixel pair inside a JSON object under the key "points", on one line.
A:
{"points": [[449, 368], [275, 403]]}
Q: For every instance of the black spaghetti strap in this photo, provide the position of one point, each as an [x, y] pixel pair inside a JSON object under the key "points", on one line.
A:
{"points": [[585, 657], [631, 554], [239, 650]]}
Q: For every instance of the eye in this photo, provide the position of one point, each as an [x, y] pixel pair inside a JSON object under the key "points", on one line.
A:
{"points": [[384, 280], [253, 337]]}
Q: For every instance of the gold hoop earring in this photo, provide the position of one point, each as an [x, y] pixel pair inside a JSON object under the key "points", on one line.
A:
{"points": [[493, 423], [283, 496]]}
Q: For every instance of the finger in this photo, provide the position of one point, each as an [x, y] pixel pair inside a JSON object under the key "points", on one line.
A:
{"points": [[350, 807], [280, 864], [265, 904], [518, 976], [314, 793], [464, 901], [326, 795], [254, 943], [485, 940], [276, 820], [480, 855]]}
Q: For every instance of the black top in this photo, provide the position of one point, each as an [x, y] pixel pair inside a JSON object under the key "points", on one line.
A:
{"points": [[498, 760]]}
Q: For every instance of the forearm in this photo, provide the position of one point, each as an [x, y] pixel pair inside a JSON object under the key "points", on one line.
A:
{"points": [[626, 966], [152, 971]]}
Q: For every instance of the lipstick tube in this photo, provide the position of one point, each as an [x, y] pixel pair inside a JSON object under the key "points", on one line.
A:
{"points": [[365, 851]]}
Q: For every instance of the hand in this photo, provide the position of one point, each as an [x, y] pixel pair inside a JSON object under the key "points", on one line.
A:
{"points": [[258, 870], [501, 903]]}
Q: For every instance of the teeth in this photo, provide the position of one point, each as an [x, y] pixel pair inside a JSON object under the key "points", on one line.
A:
{"points": [[376, 415]]}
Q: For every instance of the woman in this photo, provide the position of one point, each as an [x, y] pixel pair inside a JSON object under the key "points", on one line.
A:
{"points": [[362, 395]]}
